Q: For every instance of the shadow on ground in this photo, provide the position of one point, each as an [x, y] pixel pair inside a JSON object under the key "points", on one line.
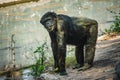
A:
{"points": [[106, 58]]}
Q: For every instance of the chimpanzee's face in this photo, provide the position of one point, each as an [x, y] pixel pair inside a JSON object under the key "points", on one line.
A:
{"points": [[49, 21]]}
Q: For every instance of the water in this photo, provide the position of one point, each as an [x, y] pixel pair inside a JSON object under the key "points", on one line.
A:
{"points": [[2, 78], [25, 75]]}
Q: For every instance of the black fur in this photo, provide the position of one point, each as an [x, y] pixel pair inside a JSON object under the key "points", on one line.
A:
{"points": [[63, 30]]}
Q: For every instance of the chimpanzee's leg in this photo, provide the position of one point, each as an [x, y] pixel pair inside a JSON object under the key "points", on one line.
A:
{"points": [[89, 57], [55, 55], [90, 48], [61, 39], [89, 54], [54, 46], [79, 57], [61, 57]]}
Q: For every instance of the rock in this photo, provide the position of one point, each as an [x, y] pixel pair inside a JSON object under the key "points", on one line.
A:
{"points": [[48, 76], [26, 75]]}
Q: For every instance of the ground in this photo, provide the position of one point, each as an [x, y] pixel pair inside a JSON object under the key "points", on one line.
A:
{"points": [[106, 58]]}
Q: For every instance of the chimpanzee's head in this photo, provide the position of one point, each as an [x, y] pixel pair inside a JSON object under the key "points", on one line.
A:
{"points": [[49, 21]]}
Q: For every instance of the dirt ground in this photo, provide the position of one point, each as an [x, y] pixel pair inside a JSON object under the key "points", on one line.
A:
{"points": [[106, 58]]}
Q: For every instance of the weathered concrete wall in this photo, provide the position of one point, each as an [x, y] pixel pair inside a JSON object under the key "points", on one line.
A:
{"points": [[23, 21]]}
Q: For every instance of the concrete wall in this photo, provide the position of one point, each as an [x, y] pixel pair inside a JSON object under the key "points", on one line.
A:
{"points": [[22, 20]]}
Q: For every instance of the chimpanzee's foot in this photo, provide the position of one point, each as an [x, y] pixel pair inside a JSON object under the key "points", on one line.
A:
{"points": [[63, 73], [85, 67], [76, 66], [56, 70]]}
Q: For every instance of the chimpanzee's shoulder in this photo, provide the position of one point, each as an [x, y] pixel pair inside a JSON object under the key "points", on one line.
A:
{"points": [[83, 20], [64, 17]]}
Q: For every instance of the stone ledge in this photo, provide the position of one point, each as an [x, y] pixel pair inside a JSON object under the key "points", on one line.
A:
{"points": [[15, 2]]}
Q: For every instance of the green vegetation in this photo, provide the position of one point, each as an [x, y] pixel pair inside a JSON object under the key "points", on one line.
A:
{"points": [[70, 58], [39, 66], [70, 61], [115, 27]]}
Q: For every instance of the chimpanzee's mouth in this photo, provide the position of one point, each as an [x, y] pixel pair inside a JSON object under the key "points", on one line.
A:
{"points": [[50, 29]]}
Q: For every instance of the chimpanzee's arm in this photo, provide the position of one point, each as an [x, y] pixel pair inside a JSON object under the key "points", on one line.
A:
{"points": [[54, 46], [61, 44]]}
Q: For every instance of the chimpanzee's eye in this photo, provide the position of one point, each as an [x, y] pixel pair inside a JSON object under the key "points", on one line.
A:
{"points": [[44, 22], [47, 20]]}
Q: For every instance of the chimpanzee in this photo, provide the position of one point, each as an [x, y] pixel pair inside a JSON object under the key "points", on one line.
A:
{"points": [[78, 31]]}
